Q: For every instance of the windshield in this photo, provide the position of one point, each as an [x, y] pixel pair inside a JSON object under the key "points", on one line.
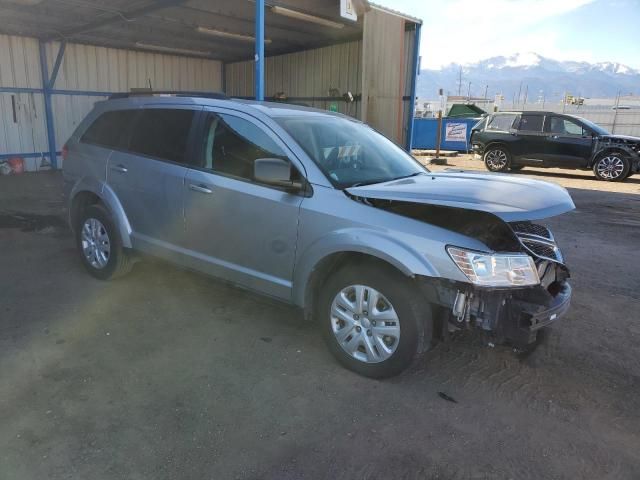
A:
{"points": [[595, 127], [348, 152]]}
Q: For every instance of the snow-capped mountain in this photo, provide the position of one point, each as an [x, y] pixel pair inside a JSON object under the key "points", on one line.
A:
{"points": [[534, 73]]}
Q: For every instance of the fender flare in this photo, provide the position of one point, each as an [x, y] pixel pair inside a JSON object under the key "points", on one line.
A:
{"points": [[358, 240], [111, 202]]}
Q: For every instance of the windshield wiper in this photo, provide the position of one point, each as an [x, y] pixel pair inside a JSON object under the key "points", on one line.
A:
{"points": [[373, 182]]}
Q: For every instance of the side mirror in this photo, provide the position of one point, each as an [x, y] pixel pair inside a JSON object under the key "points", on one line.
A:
{"points": [[276, 172]]}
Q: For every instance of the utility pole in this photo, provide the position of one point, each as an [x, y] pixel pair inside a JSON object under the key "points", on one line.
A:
{"points": [[526, 93], [486, 88], [519, 92], [469, 93], [460, 81], [437, 160], [615, 113]]}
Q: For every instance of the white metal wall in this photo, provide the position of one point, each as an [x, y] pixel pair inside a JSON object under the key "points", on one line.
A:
{"points": [[311, 73], [84, 68]]}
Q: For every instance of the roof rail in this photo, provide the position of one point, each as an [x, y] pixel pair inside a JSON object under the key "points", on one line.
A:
{"points": [[174, 93]]}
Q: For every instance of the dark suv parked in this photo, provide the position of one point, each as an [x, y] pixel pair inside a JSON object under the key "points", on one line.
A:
{"points": [[513, 140]]}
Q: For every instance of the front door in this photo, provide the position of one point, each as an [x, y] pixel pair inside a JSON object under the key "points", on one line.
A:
{"points": [[238, 229], [147, 175], [568, 144]]}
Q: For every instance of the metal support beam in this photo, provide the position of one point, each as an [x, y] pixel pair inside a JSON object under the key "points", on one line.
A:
{"points": [[259, 50], [56, 65], [120, 17], [48, 110], [414, 80]]}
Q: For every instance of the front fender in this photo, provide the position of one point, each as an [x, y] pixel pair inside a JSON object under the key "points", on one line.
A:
{"points": [[111, 202], [358, 240]]}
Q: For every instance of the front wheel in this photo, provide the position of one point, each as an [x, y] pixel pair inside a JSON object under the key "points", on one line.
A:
{"points": [[372, 319], [497, 159], [612, 167]]}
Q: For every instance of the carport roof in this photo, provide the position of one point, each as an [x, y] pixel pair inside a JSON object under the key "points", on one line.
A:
{"points": [[182, 26]]}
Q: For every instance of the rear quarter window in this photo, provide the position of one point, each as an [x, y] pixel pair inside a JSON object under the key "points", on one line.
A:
{"points": [[531, 123], [109, 129], [502, 123]]}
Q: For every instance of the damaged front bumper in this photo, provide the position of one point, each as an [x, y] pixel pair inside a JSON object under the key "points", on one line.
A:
{"points": [[511, 315]]}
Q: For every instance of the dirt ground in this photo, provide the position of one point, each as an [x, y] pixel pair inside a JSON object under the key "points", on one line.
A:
{"points": [[166, 374]]}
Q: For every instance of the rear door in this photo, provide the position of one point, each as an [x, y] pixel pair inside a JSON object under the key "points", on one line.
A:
{"points": [[238, 229], [568, 143], [148, 176], [529, 146]]}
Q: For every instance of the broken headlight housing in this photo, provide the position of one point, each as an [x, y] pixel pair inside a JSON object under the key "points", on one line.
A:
{"points": [[495, 270]]}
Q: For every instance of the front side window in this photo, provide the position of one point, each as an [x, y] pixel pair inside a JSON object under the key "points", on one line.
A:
{"points": [[232, 145], [348, 152], [531, 123], [110, 128], [562, 126], [501, 123], [162, 133]]}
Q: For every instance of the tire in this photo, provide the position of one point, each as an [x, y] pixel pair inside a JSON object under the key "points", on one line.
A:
{"points": [[516, 168], [110, 260], [497, 159], [392, 346], [612, 167]]}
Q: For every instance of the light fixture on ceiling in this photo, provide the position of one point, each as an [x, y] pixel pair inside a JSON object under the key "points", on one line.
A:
{"points": [[287, 12], [229, 35], [162, 48]]}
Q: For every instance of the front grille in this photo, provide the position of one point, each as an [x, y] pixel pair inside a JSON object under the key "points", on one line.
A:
{"points": [[537, 240], [529, 228]]}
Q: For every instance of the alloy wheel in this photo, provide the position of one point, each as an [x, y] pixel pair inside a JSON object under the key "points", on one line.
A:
{"points": [[610, 167], [496, 159], [96, 245], [365, 323]]}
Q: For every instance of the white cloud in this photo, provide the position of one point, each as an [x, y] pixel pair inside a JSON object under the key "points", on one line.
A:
{"points": [[465, 31]]}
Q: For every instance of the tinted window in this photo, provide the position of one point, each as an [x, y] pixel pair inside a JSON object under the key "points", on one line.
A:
{"points": [[162, 133], [562, 126], [232, 144], [502, 123], [109, 128], [531, 123]]}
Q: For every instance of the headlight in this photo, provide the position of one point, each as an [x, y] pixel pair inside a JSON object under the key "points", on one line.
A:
{"points": [[497, 270]]}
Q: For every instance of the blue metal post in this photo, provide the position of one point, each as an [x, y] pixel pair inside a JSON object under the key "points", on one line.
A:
{"points": [[56, 65], [414, 80], [259, 50], [48, 110]]}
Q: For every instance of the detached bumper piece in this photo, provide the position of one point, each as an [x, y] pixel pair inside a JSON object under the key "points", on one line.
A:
{"points": [[512, 315]]}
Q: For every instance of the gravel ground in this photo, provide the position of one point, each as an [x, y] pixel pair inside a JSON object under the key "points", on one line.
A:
{"points": [[166, 374]]}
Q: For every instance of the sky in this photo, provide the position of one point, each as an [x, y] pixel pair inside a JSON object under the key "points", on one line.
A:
{"points": [[466, 31]]}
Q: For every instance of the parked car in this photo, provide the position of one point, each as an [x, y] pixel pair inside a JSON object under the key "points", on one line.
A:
{"points": [[318, 210], [513, 140]]}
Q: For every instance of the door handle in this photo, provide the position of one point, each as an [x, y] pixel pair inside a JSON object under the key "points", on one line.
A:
{"points": [[555, 137], [119, 168], [199, 188]]}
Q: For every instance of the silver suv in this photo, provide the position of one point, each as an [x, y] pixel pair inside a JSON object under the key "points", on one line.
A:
{"points": [[318, 210]]}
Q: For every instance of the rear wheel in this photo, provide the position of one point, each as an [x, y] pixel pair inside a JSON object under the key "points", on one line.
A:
{"points": [[612, 167], [99, 244], [372, 319], [497, 159]]}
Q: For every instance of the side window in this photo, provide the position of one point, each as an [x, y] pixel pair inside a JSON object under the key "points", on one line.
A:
{"points": [[162, 133], [109, 129], [232, 144], [502, 123], [562, 126], [531, 123]]}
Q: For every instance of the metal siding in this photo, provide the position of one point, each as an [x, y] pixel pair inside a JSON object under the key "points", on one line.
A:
{"points": [[383, 72], [310, 73], [84, 67]]}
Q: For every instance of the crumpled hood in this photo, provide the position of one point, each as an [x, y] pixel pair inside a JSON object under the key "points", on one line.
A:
{"points": [[509, 197], [626, 138]]}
